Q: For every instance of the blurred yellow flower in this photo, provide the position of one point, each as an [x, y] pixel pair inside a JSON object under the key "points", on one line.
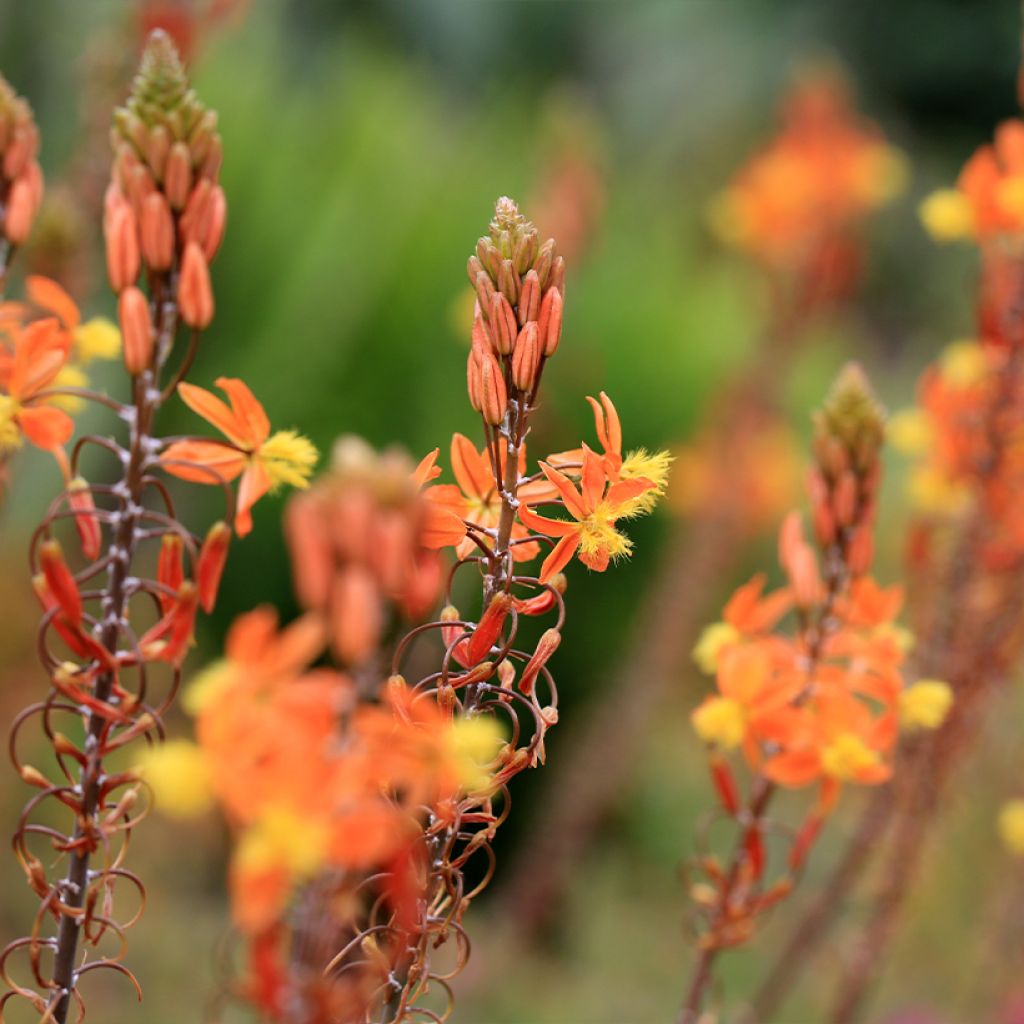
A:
{"points": [[712, 641], [925, 704], [946, 215], [176, 772], [1011, 826]]}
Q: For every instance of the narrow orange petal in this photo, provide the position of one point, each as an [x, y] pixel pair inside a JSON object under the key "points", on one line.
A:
{"points": [[203, 462], [217, 413], [46, 427], [552, 527], [246, 407], [572, 498], [50, 296], [559, 558], [472, 470], [253, 485]]}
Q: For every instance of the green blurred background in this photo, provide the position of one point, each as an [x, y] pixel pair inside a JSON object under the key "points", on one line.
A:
{"points": [[365, 143]]}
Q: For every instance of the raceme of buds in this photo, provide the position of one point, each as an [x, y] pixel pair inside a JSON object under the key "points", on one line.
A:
{"points": [[519, 285], [21, 180], [164, 208]]}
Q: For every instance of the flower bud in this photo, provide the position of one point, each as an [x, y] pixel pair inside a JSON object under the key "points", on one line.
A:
{"points": [[529, 298], [156, 229], [508, 281], [210, 567], [526, 357], [195, 294], [122, 247], [549, 321], [178, 175], [493, 396], [20, 212], [136, 330], [502, 324]]}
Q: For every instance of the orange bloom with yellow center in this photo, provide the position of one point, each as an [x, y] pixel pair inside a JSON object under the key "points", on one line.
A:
{"points": [[37, 355], [596, 505], [264, 461]]}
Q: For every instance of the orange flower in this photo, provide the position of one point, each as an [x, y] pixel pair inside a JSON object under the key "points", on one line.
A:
{"points": [[477, 498], [595, 506], [264, 461], [40, 352]]}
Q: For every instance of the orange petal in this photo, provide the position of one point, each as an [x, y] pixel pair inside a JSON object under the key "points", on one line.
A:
{"points": [[541, 524], [254, 484], [49, 295], [572, 498], [216, 412], [560, 557], [46, 427], [472, 469], [246, 407], [203, 462]]}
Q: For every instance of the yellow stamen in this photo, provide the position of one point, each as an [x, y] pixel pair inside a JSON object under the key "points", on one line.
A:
{"points": [[288, 458], [10, 434], [1011, 826], [713, 640], [847, 756], [722, 721]]}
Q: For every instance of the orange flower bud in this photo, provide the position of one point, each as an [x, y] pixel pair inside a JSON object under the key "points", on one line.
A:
{"points": [[356, 615], [493, 396], [20, 212], [550, 321], [484, 289], [546, 646], [529, 298], [208, 229], [543, 262], [861, 551], [502, 324], [210, 567], [508, 281], [844, 498], [195, 294], [136, 329], [170, 569], [60, 581], [139, 185], [526, 358], [487, 632], [451, 633], [156, 228], [122, 247], [474, 384], [309, 545], [86, 521], [178, 175], [20, 151], [558, 274]]}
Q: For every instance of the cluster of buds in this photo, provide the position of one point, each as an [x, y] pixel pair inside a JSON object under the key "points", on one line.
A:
{"points": [[356, 549], [114, 632], [821, 705], [21, 180], [797, 205], [164, 210], [520, 286]]}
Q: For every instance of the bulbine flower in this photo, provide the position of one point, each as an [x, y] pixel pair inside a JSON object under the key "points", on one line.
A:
{"points": [[596, 505], [264, 461]]}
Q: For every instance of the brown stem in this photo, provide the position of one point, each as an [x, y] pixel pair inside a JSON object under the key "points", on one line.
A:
{"points": [[113, 603]]}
